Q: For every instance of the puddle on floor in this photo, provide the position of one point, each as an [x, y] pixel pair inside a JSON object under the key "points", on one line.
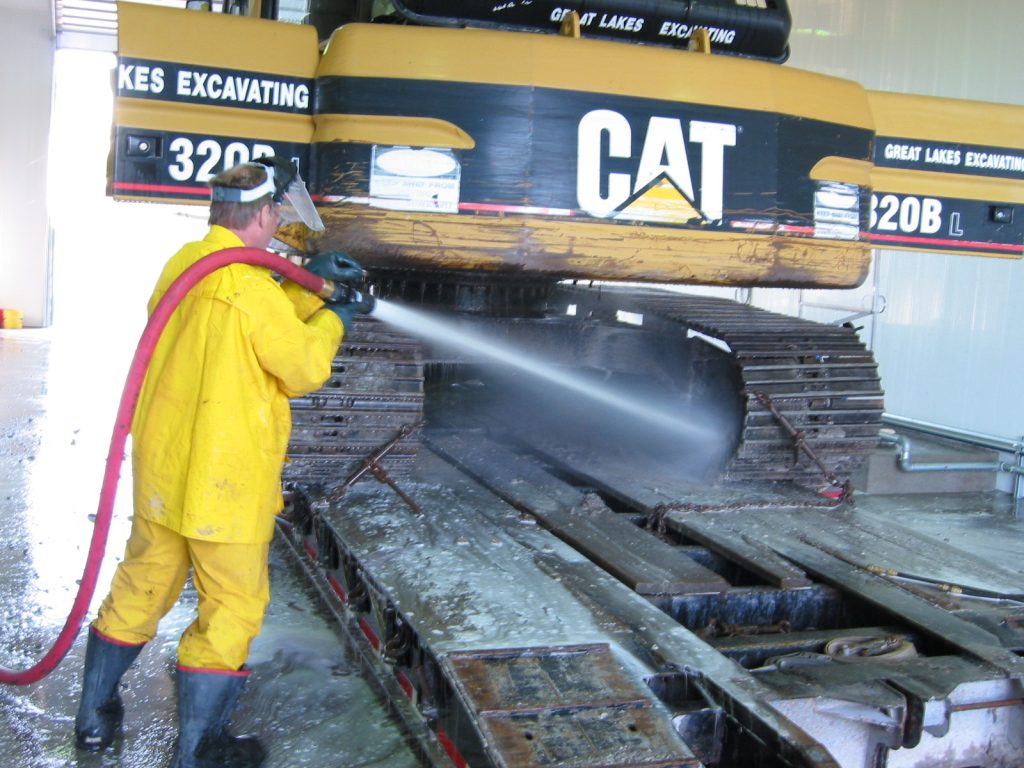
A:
{"points": [[305, 699]]}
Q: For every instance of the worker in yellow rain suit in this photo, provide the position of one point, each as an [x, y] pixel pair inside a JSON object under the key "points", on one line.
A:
{"points": [[209, 440]]}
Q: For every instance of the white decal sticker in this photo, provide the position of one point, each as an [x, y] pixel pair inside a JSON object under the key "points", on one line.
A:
{"points": [[837, 211], [907, 215], [412, 179], [140, 77]]}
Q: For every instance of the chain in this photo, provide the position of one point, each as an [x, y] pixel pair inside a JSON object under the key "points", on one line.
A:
{"points": [[656, 520], [800, 444]]}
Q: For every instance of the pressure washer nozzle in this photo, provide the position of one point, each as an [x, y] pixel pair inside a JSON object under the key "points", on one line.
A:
{"points": [[368, 302], [338, 292], [342, 293]]}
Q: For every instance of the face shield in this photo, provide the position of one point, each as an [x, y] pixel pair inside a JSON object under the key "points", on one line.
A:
{"points": [[290, 193], [296, 206], [285, 187]]}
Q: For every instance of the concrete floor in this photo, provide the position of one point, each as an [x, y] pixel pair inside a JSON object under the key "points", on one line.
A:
{"points": [[306, 698], [58, 394]]}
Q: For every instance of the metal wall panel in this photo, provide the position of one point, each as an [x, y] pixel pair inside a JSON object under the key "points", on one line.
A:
{"points": [[949, 342], [26, 61]]}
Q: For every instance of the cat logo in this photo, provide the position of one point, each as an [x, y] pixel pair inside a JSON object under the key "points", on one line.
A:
{"points": [[661, 190]]}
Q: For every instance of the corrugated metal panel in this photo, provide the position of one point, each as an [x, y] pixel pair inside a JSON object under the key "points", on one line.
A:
{"points": [[92, 24], [88, 24], [949, 343]]}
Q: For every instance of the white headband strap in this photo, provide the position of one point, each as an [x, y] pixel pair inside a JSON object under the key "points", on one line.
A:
{"points": [[236, 195]]}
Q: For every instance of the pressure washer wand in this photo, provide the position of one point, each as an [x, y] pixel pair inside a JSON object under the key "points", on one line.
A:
{"points": [[346, 294]]}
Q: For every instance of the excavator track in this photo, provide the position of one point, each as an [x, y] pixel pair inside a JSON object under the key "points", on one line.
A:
{"points": [[375, 389], [821, 378]]}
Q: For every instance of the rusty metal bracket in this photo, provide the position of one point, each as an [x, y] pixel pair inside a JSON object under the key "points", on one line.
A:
{"points": [[655, 521], [371, 464], [718, 628]]}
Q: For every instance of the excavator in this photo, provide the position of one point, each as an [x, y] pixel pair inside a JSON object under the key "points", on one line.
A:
{"points": [[542, 580]]}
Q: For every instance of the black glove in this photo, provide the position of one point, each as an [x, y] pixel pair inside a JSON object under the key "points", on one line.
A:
{"points": [[336, 266], [345, 311]]}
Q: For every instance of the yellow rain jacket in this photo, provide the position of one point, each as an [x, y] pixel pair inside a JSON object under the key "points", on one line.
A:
{"points": [[212, 424]]}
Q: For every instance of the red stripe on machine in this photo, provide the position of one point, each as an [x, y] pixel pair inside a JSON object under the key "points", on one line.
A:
{"points": [[449, 747], [370, 634], [127, 186], [338, 589], [524, 209], [406, 683], [945, 242], [795, 229]]}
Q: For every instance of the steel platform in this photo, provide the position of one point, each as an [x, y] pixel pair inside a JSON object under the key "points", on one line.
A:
{"points": [[529, 617]]}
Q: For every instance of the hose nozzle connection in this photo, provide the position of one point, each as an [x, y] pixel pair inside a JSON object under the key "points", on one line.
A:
{"points": [[365, 302], [327, 290], [344, 293]]}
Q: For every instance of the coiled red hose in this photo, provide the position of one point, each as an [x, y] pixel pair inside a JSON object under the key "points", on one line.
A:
{"points": [[122, 426]]}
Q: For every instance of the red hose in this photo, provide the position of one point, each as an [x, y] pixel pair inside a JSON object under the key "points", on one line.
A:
{"points": [[122, 426]]}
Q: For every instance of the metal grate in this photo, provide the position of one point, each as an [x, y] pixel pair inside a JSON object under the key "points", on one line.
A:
{"points": [[92, 24]]}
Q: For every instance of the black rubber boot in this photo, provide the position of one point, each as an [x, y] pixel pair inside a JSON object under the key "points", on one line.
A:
{"points": [[205, 701], [100, 711]]}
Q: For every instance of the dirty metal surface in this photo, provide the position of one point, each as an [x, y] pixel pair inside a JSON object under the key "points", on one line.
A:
{"points": [[567, 706], [751, 554], [557, 249], [836, 547], [965, 662], [753, 651], [840, 547], [820, 377], [646, 564], [472, 574], [531, 680], [375, 388], [867, 541], [615, 737], [461, 574], [477, 573], [921, 614]]}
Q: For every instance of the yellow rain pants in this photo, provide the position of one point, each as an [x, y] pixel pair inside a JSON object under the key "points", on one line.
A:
{"points": [[208, 444], [231, 580]]}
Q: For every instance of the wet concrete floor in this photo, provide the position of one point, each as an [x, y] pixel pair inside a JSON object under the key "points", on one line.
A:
{"points": [[306, 697]]}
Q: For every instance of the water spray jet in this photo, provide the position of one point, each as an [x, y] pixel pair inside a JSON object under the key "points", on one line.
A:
{"points": [[452, 334]]}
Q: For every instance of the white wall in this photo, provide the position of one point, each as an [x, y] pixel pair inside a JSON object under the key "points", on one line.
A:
{"points": [[26, 61], [949, 342], [107, 254]]}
